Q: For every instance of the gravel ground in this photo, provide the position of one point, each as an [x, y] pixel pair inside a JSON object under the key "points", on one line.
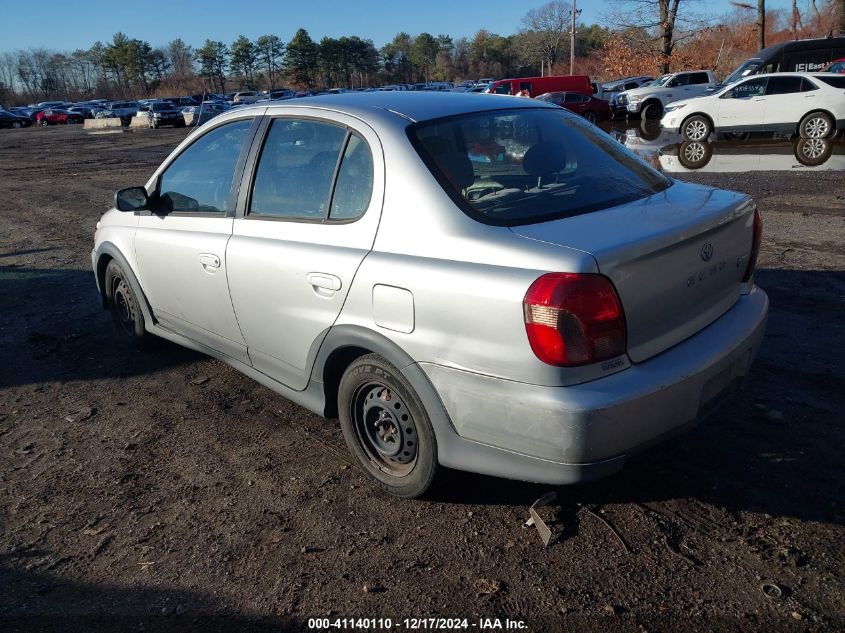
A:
{"points": [[162, 490]]}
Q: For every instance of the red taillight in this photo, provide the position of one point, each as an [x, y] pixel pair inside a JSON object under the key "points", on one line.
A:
{"points": [[574, 319], [755, 246]]}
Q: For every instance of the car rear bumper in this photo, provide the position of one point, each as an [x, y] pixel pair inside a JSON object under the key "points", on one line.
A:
{"points": [[561, 435]]}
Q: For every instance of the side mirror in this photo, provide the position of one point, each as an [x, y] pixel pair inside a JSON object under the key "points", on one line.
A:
{"points": [[131, 199], [730, 94]]}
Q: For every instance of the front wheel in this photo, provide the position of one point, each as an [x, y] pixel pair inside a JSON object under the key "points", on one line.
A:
{"points": [[652, 111], [44, 123], [386, 427], [696, 128], [816, 125], [124, 305]]}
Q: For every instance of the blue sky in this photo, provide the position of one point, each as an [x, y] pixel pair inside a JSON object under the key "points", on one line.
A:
{"points": [[59, 25]]}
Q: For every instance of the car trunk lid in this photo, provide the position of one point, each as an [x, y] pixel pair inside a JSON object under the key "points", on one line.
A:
{"points": [[677, 259]]}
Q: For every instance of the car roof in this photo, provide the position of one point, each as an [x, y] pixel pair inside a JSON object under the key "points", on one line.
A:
{"points": [[413, 106]]}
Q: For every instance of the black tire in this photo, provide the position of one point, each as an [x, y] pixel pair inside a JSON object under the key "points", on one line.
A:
{"points": [[44, 123], [813, 152], [696, 128], [816, 125], [16, 124], [124, 305], [695, 154], [386, 427], [652, 111]]}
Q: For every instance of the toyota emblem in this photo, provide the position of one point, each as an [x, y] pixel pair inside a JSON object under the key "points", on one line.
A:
{"points": [[707, 252]]}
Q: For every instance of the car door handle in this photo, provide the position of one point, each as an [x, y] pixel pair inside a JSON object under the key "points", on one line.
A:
{"points": [[324, 282], [209, 261]]}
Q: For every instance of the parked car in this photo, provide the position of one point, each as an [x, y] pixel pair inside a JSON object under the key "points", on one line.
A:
{"points": [[58, 117], [810, 105], [592, 109], [534, 86], [838, 66], [611, 90], [12, 120], [83, 111], [182, 102], [120, 109], [165, 113], [811, 55], [526, 320], [650, 100], [246, 96]]}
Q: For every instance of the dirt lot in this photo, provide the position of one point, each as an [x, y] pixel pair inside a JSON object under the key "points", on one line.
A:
{"points": [[164, 491]]}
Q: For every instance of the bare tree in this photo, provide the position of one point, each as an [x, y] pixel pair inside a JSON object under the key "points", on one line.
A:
{"points": [[548, 28], [841, 17], [761, 24], [660, 19]]}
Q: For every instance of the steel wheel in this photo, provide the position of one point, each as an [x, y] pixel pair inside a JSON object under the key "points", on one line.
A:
{"points": [[123, 303], [385, 429]]}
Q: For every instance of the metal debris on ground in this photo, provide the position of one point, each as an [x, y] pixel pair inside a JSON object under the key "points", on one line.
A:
{"points": [[542, 529]]}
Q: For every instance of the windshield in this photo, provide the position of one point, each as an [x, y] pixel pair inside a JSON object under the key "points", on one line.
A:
{"points": [[748, 67], [161, 106], [513, 167], [662, 80]]}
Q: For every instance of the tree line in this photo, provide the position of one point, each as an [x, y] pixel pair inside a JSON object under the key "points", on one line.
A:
{"points": [[638, 36], [128, 66]]}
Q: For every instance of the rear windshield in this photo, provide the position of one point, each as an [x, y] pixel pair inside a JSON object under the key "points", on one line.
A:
{"points": [[512, 167], [836, 82]]}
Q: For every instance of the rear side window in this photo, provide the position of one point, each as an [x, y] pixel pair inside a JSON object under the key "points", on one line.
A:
{"points": [[296, 169], [503, 89], [836, 82], [354, 186], [200, 179], [571, 97], [699, 78], [512, 167]]}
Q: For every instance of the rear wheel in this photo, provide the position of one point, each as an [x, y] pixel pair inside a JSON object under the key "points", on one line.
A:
{"points": [[696, 128], [124, 304], [386, 427], [694, 154], [816, 125], [16, 124], [44, 123]]}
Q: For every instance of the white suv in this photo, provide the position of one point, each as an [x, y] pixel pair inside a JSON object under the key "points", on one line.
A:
{"points": [[809, 104]]}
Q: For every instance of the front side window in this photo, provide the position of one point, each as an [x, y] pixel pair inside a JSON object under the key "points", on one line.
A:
{"points": [[200, 179], [296, 168], [503, 89], [751, 88], [513, 167], [572, 97]]}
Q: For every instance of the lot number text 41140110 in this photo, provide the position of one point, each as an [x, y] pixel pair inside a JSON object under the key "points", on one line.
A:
{"points": [[418, 624]]}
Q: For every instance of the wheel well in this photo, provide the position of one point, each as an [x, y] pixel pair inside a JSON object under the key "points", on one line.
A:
{"points": [[832, 118], [701, 114], [336, 364], [651, 101], [102, 264]]}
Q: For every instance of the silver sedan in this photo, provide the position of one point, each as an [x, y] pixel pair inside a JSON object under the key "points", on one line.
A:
{"points": [[487, 284]]}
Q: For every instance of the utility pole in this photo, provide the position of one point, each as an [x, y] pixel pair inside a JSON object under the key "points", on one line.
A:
{"points": [[572, 41]]}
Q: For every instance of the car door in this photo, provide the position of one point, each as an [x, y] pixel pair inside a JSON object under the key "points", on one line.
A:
{"points": [[574, 102], [788, 99], [180, 246], [744, 105], [307, 217]]}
